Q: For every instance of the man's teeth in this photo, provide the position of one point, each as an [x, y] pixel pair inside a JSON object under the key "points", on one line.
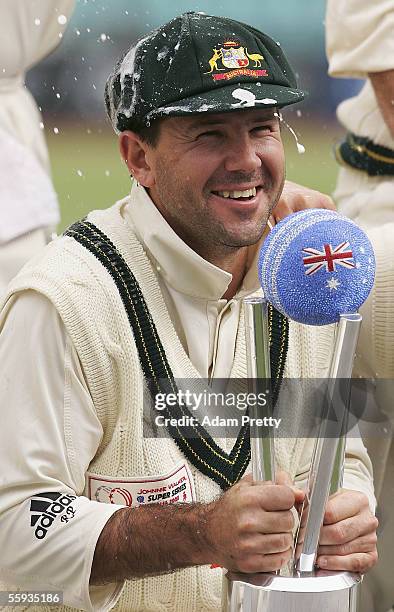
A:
{"points": [[248, 193]]}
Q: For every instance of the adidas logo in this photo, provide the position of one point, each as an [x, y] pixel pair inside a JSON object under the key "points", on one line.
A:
{"points": [[45, 507]]}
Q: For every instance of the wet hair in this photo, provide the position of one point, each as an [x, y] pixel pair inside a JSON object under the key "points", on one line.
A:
{"points": [[149, 134]]}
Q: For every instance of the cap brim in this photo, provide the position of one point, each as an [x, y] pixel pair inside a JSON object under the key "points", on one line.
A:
{"points": [[237, 96]]}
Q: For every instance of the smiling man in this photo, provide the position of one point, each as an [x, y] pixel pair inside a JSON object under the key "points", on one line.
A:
{"points": [[227, 174], [150, 290]]}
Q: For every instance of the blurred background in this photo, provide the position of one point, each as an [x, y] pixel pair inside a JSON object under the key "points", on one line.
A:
{"points": [[69, 85]]}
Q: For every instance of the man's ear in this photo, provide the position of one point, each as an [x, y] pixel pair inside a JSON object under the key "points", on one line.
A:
{"points": [[134, 152]]}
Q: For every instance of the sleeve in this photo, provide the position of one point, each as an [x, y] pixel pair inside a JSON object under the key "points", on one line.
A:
{"points": [[30, 31], [377, 332], [359, 37], [48, 529], [375, 353], [27, 196], [358, 474]]}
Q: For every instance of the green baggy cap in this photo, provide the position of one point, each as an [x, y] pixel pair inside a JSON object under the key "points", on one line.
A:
{"points": [[199, 63]]}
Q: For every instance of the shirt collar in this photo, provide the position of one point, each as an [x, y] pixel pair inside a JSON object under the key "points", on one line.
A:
{"points": [[181, 267]]}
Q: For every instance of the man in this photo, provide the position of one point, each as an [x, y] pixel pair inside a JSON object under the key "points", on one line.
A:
{"points": [[29, 207], [360, 44], [151, 290]]}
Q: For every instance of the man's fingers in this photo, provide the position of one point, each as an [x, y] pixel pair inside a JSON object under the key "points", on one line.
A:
{"points": [[348, 530], [344, 505], [283, 478], [357, 562], [297, 197], [363, 544], [279, 522], [267, 522], [264, 563], [276, 497], [265, 543]]}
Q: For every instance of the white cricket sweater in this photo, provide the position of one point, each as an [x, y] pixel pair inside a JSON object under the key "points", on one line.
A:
{"points": [[90, 307]]}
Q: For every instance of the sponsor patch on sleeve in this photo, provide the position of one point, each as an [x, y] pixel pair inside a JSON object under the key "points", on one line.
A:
{"points": [[47, 508], [173, 488]]}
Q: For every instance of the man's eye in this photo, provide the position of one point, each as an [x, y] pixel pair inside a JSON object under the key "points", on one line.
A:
{"points": [[209, 133], [262, 128]]}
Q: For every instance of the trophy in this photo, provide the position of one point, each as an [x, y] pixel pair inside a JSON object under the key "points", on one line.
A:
{"points": [[317, 268]]}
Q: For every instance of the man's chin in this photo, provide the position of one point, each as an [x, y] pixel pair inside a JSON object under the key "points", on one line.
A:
{"points": [[238, 241]]}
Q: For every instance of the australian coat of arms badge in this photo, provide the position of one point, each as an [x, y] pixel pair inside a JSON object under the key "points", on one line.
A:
{"points": [[232, 60]]}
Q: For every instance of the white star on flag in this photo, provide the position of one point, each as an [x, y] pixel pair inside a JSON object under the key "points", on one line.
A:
{"points": [[333, 283]]}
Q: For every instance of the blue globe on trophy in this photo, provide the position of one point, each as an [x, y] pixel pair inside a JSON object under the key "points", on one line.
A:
{"points": [[316, 265]]}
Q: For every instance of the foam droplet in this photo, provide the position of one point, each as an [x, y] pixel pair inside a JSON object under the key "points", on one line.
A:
{"points": [[56, 130], [103, 37], [62, 19], [37, 21], [300, 147]]}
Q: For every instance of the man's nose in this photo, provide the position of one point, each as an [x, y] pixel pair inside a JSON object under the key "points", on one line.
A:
{"points": [[241, 154]]}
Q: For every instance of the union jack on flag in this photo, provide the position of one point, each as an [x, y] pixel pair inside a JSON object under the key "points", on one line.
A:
{"points": [[328, 257]]}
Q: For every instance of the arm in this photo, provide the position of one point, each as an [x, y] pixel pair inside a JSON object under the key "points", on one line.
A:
{"points": [[48, 434], [359, 37], [249, 529], [383, 84]]}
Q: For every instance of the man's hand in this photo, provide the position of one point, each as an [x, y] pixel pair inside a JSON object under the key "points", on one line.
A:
{"points": [[258, 537], [296, 197], [247, 529], [348, 536]]}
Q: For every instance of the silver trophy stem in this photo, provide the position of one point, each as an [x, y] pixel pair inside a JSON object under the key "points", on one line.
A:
{"points": [[304, 588], [259, 372], [325, 475]]}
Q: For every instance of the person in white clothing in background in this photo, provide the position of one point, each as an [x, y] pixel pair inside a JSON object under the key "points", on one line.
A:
{"points": [[29, 209], [360, 44]]}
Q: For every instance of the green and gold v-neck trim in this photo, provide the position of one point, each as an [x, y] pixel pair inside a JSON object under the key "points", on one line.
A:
{"points": [[200, 448]]}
